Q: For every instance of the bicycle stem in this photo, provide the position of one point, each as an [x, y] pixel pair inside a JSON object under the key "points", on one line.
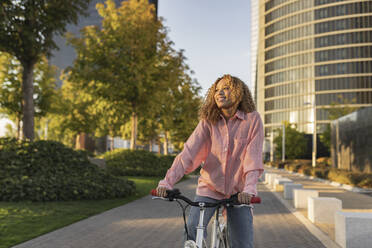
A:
{"points": [[200, 227]]}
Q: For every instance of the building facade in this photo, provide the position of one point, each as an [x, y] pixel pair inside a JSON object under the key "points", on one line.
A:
{"points": [[312, 54]]}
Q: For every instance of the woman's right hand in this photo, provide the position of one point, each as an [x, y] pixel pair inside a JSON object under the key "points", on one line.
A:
{"points": [[161, 191]]}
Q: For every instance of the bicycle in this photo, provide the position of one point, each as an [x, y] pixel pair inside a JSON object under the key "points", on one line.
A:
{"points": [[219, 238]]}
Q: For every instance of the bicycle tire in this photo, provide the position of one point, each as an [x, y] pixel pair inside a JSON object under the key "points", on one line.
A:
{"points": [[190, 244]]}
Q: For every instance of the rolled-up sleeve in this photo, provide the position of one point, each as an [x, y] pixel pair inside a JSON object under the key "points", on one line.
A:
{"points": [[193, 154], [253, 164]]}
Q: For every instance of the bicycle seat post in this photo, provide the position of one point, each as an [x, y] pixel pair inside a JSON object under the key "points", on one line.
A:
{"points": [[200, 227]]}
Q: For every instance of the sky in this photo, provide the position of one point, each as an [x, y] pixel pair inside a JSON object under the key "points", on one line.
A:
{"points": [[214, 35]]}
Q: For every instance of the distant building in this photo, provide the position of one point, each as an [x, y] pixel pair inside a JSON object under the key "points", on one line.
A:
{"points": [[309, 53]]}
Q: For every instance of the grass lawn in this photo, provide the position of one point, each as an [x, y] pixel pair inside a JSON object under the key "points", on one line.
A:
{"points": [[21, 221]]}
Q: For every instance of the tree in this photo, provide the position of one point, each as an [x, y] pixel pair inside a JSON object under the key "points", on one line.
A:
{"points": [[119, 62], [11, 90], [77, 110], [295, 142], [27, 28]]}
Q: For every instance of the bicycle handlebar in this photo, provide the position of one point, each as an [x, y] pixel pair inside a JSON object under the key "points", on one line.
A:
{"points": [[233, 200]]}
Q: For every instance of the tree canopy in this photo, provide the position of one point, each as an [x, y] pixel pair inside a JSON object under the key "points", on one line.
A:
{"points": [[295, 142], [11, 89], [129, 62], [27, 28]]}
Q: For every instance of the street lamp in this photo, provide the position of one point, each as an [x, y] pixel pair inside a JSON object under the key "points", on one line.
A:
{"points": [[313, 160], [283, 143]]}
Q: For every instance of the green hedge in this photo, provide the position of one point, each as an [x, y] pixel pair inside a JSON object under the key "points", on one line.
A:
{"points": [[126, 162], [50, 171], [325, 171]]}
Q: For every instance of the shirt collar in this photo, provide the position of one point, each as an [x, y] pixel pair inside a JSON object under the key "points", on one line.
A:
{"points": [[239, 114]]}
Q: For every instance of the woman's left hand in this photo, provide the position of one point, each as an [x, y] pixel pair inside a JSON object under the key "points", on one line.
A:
{"points": [[244, 198]]}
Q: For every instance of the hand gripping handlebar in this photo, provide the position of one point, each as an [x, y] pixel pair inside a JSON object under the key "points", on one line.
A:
{"points": [[233, 200]]}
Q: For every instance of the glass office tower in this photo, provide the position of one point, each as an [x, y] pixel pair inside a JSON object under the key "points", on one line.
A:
{"points": [[312, 53]]}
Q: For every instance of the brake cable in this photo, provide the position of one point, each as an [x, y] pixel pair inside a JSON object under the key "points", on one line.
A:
{"points": [[184, 217]]}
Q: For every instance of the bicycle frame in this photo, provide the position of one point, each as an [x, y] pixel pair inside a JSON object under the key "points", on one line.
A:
{"points": [[200, 227], [216, 229]]}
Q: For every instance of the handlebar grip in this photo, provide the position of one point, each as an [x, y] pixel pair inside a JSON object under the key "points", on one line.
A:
{"points": [[255, 199], [153, 192]]}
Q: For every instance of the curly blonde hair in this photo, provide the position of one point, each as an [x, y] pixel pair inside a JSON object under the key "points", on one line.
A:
{"points": [[209, 110]]}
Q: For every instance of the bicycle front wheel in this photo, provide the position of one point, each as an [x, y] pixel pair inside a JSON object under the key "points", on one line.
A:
{"points": [[190, 244]]}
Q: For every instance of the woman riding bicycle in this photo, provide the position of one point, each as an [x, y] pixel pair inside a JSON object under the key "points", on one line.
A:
{"points": [[228, 141]]}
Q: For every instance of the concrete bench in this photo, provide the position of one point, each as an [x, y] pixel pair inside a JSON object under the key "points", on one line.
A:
{"points": [[300, 197], [353, 229], [267, 177], [288, 190], [279, 183], [323, 209], [272, 179]]}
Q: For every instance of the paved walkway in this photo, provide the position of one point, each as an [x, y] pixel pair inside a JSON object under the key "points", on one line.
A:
{"points": [[149, 223]]}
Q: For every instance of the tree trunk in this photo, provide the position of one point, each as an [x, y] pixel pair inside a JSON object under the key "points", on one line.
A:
{"points": [[112, 144], [46, 129], [85, 142], [18, 124], [159, 146], [150, 145], [134, 131], [111, 135], [28, 100], [166, 133], [77, 142]]}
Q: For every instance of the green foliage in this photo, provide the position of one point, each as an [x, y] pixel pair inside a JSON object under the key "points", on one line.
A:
{"points": [[295, 143], [321, 171], [27, 27], [119, 61], [349, 177], [125, 162], [292, 167], [11, 88], [305, 169], [325, 137], [27, 30], [325, 171], [130, 64], [49, 171]]}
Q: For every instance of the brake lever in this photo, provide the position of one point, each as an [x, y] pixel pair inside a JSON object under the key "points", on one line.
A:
{"points": [[159, 198]]}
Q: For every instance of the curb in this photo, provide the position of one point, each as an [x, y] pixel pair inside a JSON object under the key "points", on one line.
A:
{"points": [[319, 234]]}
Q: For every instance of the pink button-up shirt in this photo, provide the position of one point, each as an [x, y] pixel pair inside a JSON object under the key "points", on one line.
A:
{"points": [[230, 153]]}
